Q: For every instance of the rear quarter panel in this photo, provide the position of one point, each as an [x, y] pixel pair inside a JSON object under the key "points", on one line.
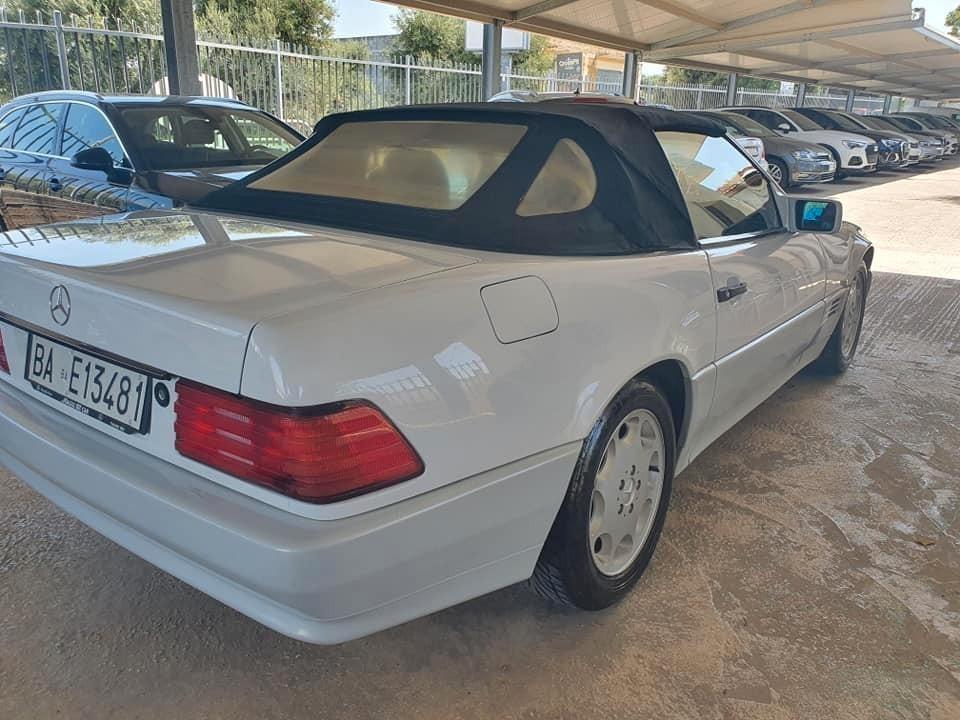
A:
{"points": [[425, 352]]}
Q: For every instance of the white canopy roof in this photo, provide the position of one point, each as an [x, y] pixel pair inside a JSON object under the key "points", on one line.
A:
{"points": [[877, 46]]}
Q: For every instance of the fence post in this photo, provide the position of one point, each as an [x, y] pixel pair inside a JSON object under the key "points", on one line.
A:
{"points": [[278, 46], [61, 49], [700, 97], [407, 81]]}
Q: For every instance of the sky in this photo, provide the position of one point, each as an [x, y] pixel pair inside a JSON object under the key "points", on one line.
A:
{"points": [[365, 17]]}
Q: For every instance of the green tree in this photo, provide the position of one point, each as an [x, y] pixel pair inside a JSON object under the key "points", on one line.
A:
{"points": [[297, 22], [953, 21], [431, 36], [685, 76], [139, 12], [538, 60]]}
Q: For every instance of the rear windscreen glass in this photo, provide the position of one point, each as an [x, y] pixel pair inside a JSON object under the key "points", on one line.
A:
{"points": [[422, 164]]}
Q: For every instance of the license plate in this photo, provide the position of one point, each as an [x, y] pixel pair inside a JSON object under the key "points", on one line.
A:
{"points": [[98, 388]]}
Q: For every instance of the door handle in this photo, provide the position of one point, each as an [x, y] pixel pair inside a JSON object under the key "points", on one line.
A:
{"points": [[55, 184], [731, 291]]}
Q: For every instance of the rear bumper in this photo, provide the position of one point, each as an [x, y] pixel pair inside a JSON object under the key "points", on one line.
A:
{"points": [[322, 581]]}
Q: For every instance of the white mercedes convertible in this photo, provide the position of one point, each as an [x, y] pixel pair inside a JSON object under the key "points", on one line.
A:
{"points": [[431, 352]]}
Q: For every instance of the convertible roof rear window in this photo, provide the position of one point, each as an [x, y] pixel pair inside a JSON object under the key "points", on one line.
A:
{"points": [[529, 178], [425, 164]]}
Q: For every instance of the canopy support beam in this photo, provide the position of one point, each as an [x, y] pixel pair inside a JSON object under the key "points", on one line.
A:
{"points": [[490, 67], [681, 11], [801, 94], [631, 66], [851, 99], [732, 81], [783, 38], [748, 20]]}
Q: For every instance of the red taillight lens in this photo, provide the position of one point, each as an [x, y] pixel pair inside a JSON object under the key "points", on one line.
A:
{"points": [[318, 454], [4, 365]]}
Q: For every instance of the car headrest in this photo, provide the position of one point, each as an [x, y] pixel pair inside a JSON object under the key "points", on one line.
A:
{"points": [[198, 132]]}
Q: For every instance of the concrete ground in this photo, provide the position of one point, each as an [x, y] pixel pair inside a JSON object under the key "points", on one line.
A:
{"points": [[810, 568]]}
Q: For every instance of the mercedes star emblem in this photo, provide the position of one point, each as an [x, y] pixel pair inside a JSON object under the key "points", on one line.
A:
{"points": [[60, 305]]}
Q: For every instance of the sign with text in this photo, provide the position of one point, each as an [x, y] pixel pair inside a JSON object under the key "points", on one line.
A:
{"points": [[570, 66]]}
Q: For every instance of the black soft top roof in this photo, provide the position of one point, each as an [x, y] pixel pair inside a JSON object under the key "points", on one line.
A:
{"points": [[637, 208]]}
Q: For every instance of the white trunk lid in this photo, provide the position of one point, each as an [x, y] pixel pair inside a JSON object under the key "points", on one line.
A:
{"points": [[181, 292]]}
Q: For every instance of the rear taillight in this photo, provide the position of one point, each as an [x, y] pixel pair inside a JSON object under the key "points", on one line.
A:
{"points": [[318, 454], [4, 365]]}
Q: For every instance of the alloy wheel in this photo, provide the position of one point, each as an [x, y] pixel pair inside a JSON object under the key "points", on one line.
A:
{"points": [[627, 491]]}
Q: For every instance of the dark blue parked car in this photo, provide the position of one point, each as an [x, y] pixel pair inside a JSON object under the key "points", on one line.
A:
{"points": [[69, 155]]}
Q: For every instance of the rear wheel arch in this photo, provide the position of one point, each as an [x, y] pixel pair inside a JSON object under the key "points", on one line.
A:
{"points": [[673, 380]]}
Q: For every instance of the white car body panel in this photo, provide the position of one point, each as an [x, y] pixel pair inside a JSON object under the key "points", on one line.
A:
{"points": [[835, 139], [446, 381], [182, 281]]}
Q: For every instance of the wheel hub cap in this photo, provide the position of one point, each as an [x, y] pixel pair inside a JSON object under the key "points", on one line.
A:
{"points": [[627, 492]]}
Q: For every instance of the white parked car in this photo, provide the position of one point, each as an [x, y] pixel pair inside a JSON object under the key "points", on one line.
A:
{"points": [[855, 154], [477, 353]]}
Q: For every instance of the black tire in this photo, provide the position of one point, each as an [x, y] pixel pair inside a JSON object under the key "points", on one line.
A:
{"points": [[834, 360], [566, 572], [784, 172]]}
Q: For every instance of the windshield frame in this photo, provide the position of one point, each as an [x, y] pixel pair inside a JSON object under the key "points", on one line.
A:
{"points": [[122, 113], [875, 123], [842, 119], [938, 122], [902, 123], [743, 123], [799, 119]]}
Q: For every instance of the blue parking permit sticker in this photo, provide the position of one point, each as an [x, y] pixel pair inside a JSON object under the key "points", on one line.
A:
{"points": [[813, 211]]}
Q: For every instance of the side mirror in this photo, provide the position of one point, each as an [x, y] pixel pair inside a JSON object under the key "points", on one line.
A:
{"points": [[785, 127], [95, 158], [817, 215]]}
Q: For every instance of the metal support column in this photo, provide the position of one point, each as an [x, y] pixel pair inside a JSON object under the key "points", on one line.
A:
{"points": [[801, 95], [732, 89], [278, 49], [490, 69], [62, 50], [631, 65], [851, 99], [887, 102], [180, 46]]}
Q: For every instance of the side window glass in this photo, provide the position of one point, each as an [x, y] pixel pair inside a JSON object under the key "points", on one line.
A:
{"points": [[38, 129], [7, 125], [771, 120], [725, 194], [566, 183], [161, 130], [85, 127]]}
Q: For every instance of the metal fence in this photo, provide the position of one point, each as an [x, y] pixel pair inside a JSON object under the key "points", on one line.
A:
{"points": [[38, 52]]}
